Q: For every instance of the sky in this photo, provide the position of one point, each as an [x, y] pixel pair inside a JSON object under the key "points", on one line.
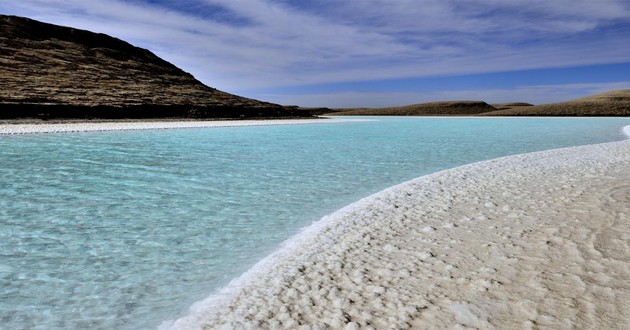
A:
{"points": [[371, 53]]}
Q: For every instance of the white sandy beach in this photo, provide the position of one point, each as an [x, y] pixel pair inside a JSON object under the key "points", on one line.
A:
{"points": [[533, 241]]}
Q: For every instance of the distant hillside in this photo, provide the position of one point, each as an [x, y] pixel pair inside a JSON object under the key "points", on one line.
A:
{"points": [[51, 71], [422, 109], [513, 105], [614, 103]]}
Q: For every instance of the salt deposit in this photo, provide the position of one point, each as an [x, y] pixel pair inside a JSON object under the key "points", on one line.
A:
{"points": [[526, 241], [144, 125]]}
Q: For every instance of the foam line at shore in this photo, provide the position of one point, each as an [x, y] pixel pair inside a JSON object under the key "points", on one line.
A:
{"points": [[489, 244], [8, 129]]}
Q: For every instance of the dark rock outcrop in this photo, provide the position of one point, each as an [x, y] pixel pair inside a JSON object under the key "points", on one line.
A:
{"points": [[50, 71], [512, 105], [447, 108]]}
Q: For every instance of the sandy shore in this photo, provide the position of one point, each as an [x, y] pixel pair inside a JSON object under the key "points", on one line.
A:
{"points": [[531, 241], [66, 127]]}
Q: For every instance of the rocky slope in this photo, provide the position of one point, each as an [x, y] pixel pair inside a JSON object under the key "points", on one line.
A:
{"points": [[51, 71]]}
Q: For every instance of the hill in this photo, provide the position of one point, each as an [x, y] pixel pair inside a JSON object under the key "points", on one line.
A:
{"points": [[51, 71], [613, 103], [447, 108], [512, 105]]}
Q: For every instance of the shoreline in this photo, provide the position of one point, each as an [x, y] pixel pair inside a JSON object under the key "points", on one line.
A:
{"points": [[104, 126], [469, 246], [21, 127]]}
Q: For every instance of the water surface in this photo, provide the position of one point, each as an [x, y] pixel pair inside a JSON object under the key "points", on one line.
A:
{"points": [[126, 229]]}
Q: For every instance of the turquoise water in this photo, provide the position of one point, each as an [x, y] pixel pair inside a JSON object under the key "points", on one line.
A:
{"points": [[122, 230]]}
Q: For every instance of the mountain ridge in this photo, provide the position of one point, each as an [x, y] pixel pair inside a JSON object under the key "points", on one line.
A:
{"points": [[50, 71], [611, 103], [53, 71], [444, 108]]}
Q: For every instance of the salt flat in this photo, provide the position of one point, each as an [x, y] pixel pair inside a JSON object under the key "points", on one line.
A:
{"points": [[537, 240], [69, 127]]}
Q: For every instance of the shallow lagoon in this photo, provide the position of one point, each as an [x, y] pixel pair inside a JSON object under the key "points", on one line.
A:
{"points": [[127, 229]]}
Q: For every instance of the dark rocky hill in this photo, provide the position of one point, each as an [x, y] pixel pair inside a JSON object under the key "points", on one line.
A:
{"points": [[447, 108], [511, 105], [51, 71]]}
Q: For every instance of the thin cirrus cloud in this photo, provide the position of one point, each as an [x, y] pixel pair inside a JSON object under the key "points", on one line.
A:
{"points": [[252, 46]]}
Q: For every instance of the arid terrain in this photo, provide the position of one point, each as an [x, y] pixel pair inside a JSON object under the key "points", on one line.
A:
{"points": [[54, 72], [422, 109], [50, 71], [613, 103]]}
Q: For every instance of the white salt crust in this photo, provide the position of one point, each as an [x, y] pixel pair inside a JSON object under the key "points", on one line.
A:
{"points": [[526, 241], [9, 129]]}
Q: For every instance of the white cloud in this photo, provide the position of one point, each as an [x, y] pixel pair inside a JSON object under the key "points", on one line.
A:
{"points": [[284, 44]]}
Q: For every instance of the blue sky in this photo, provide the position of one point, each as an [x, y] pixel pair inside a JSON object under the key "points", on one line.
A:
{"points": [[342, 53]]}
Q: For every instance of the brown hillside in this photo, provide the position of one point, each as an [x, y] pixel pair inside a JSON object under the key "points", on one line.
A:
{"points": [[422, 109], [512, 105], [614, 103], [54, 71]]}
